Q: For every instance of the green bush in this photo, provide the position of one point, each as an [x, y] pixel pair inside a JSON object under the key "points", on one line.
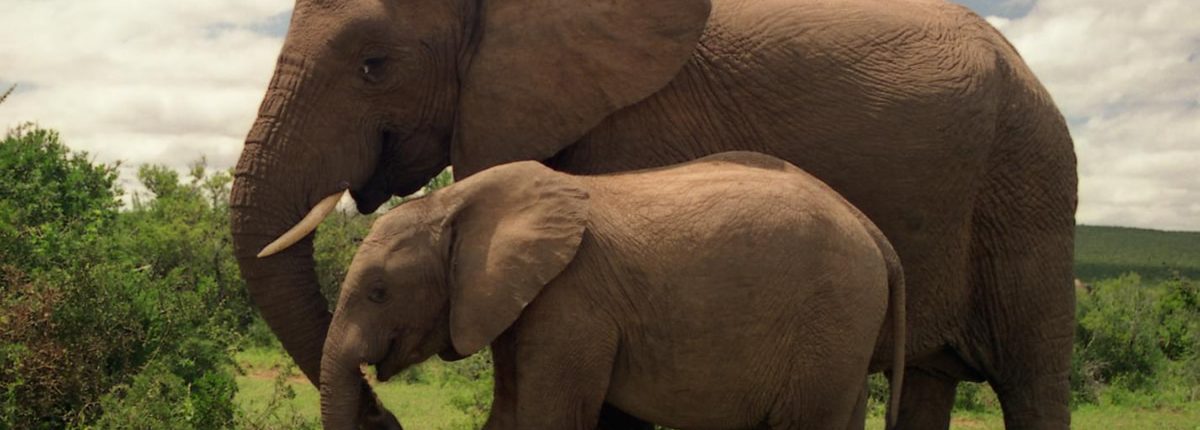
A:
{"points": [[473, 377], [160, 398], [1118, 333], [54, 204], [1137, 340], [112, 314]]}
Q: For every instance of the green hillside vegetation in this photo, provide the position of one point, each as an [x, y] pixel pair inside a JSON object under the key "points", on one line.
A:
{"points": [[1107, 252], [133, 315]]}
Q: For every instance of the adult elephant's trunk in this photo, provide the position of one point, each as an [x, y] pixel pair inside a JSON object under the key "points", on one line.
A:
{"points": [[267, 199]]}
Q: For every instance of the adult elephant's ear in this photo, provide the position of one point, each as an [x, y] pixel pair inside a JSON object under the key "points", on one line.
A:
{"points": [[514, 228], [544, 72]]}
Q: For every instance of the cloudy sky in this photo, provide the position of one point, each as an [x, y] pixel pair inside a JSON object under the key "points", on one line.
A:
{"points": [[169, 81]]}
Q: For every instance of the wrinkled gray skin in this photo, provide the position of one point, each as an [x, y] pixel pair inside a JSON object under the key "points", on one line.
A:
{"points": [[917, 111], [734, 291]]}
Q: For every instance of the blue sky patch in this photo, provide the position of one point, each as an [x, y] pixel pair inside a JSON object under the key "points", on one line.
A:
{"points": [[277, 25], [1011, 9], [274, 25], [22, 87]]}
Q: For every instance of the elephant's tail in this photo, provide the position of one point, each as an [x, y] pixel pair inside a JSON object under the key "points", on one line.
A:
{"points": [[896, 306], [896, 303]]}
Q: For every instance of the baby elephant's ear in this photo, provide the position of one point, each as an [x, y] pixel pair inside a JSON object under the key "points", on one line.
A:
{"points": [[516, 227]]}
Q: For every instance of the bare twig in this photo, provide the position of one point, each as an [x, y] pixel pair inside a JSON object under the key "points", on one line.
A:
{"points": [[6, 93]]}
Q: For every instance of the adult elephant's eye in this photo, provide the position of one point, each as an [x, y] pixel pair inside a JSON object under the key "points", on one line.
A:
{"points": [[372, 68]]}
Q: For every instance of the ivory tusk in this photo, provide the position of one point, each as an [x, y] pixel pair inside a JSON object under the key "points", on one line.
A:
{"points": [[304, 227]]}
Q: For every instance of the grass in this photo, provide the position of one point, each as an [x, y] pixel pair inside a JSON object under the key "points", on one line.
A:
{"points": [[431, 405], [418, 405], [1086, 418]]}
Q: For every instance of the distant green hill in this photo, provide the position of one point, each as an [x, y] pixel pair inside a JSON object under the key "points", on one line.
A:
{"points": [[1106, 252]]}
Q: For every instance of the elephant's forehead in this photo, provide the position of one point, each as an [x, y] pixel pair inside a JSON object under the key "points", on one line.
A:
{"points": [[397, 227]]}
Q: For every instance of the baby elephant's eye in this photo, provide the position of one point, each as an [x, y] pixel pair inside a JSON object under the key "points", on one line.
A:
{"points": [[377, 295]]}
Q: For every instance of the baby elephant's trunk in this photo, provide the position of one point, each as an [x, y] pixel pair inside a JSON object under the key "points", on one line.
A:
{"points": [[346, 400], [342, 385]]}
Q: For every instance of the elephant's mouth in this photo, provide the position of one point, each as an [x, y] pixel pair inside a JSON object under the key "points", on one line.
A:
{"points": [[406, 163], [390, 364], [376, 191]]}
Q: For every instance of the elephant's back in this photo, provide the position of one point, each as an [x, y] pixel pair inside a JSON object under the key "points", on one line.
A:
{"points": [[719, 214], [743, 269], [722, 191]]}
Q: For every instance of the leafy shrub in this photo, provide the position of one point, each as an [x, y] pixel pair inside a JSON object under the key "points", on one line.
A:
{"points": [[975, 397], [159, 398], [54, 204], [473, 378], [1118, 333], [1137, 338], [111, 314], [1179, 319]]}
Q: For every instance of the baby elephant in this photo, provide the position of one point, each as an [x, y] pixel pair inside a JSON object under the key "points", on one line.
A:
{"points": [[734, 291]]}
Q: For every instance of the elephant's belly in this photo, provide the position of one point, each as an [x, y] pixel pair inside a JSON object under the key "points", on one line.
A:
{"points": [[693, 399], [733, 383]]}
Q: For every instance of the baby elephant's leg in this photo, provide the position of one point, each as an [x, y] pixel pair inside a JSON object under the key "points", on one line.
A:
{"points": [[858, 421], [562, 372]]}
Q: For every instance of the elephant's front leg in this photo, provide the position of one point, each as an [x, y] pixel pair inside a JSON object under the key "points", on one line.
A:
{"points": [[551, 375]]}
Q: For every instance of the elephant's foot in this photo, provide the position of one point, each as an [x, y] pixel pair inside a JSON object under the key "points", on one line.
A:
{"points": [[1037, 405], [1034, 389]]}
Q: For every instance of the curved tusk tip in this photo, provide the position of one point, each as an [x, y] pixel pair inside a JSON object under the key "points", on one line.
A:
{"points": [[304, 227]]}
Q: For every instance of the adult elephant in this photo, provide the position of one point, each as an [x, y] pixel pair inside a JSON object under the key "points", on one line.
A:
{"points": [[917, 111]]}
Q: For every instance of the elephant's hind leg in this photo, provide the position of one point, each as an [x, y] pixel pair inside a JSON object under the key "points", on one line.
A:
{"points": [[858, 421], [1021, 331], [925, 400], [1027, 307], [1027, 311]]}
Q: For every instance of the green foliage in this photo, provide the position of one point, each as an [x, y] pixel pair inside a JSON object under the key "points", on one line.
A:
{"points": [[160, 398], [54, 204], [1136, 338], [474, 374], [1109, 252], [1179, 319], [975, 397], [113, 318], [1117, 332]]}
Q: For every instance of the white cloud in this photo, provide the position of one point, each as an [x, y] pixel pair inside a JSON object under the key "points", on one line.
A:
{"points": [[1127, 74], [140, 80]]}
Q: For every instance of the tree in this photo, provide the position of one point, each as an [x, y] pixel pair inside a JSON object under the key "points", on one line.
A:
{"points": [[53, 202], [110, 314]]}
